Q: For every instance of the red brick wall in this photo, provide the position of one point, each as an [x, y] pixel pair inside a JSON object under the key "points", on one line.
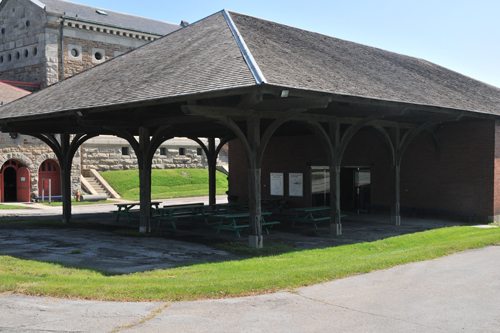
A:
{"points": [[458, 177], [461, 176], [496, 202]]}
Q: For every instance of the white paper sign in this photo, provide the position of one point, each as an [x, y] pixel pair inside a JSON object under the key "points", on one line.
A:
{"points": [[296, 184], [277, 184]]}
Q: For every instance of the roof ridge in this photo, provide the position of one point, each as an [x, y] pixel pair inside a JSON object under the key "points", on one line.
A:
{"points": [[245, 51]]}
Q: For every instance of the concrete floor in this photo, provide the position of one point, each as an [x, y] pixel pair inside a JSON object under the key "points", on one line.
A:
{"points": [[100, 248]]}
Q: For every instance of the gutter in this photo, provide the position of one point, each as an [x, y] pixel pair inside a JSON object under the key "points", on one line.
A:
{"points": [[62, 48]]}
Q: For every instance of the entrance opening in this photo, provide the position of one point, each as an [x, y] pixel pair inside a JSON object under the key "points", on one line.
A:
{"points": [[354, 187], [10, 184]]}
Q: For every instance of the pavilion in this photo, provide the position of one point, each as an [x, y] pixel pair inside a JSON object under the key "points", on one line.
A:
{"points": [[236, 77]]}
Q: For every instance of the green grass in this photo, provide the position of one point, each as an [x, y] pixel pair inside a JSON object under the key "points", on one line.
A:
{"points": [[3, 206], [238, 278], [77, 203], [168, 183]]}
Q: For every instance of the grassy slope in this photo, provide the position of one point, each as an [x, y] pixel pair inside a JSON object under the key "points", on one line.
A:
{"points": [[165, 183], [238, 278]]}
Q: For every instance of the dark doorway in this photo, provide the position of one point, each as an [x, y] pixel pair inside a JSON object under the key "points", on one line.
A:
{"points": [[10, 185], [354, 189]]}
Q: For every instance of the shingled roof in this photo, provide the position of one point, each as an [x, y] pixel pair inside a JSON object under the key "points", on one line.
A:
{"points": [[115, 19], [229, 50]]}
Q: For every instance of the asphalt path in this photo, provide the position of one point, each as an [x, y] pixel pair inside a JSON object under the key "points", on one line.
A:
{"points": [[457, 293]]}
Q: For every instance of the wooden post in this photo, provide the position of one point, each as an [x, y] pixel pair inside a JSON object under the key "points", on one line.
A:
{"points": [[144, 180], [396, 206], [66, 177], [254, 189], [396, 179], [212, 171], [335, 220]]}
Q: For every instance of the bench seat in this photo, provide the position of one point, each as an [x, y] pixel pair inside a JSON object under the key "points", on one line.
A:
{"points": [[236, 228]]}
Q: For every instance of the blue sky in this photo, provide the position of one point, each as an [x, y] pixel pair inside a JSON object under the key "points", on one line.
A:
{"points": [[460, 35]]}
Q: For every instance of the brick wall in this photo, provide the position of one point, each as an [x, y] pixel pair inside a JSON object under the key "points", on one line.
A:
{"points": [[460, 176]]}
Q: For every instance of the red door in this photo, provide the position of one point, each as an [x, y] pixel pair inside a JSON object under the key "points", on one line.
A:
{"points": [[23, 184]]}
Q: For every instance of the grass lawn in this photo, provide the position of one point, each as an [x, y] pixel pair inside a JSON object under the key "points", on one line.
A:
{"points": [[257, 275], [169, 183], [3, 206]]}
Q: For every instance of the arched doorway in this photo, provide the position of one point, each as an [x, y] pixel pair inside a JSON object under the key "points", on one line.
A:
{"points": [[50, 169], [14, 182]]}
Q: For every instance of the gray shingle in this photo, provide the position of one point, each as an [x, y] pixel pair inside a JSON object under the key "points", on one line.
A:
{"points": [[202, 57], [115, 19], [293, 57]]}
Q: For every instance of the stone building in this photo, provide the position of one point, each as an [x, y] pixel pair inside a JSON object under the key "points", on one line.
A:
{"points": [[44, 41]]}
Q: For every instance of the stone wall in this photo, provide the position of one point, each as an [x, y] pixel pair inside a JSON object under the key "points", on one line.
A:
{"points": [[79, 54], [32, 152], [22, 41], [104, 158]]}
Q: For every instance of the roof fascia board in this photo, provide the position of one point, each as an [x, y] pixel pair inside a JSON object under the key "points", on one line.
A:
{"points": [[247, 55], [73, 20], [77, 19]]}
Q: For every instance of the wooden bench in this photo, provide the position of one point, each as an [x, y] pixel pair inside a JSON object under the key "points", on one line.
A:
{"points": [[312, 215], [52, 198], [270, 224], [234, 218], [126, 209], [173, 213], [229, 227]]}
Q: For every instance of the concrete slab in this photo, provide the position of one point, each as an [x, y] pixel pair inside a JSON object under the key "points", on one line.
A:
{"points": [[456, 293], [44, 314]]}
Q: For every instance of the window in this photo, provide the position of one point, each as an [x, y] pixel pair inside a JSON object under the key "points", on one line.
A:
{"points": [[98, 55], [163, 151], [74, 52], [199, 151], [182, 151], [26, 53], [125, 151]]}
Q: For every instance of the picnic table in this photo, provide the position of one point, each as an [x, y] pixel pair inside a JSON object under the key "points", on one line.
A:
{"points": [[175, 212], [228, 208], [230, 222], [126, 209], [311, 215]]}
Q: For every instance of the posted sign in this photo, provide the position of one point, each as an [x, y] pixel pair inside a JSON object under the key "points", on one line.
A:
{"points": [[277, 184]]}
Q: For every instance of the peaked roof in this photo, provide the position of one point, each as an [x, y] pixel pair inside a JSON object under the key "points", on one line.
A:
{"points": [[229, 50], [120, 20], [10, 93]]}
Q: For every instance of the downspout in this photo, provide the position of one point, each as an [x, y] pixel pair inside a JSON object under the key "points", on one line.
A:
{"points": [[62, 49]]}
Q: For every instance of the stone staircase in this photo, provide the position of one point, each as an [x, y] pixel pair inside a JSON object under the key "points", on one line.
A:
{"points": [[93, 183]]}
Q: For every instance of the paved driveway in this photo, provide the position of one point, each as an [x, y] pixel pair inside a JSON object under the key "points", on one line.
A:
{"points": [[458, 293]]}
